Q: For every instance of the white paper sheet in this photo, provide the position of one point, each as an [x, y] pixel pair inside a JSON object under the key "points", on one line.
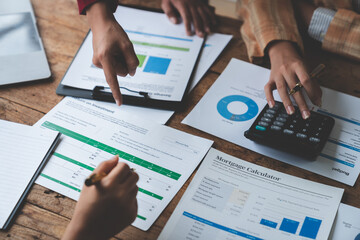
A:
{"points": [[214, 45], [230, 198], [166, 54], [347, 224], [150, 114], [163, 157], [340, 157], [23, 148]]}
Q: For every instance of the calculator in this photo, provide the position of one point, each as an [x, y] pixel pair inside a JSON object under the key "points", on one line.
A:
{"points": [[275, 128]]}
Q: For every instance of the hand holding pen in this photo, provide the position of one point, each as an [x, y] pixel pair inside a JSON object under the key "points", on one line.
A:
{"points": [[107, 207]]}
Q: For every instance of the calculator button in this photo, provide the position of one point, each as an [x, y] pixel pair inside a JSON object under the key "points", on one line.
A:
{"points": [[264, 119], [276, 106], [264, 124], [314, 139], [307, 124], [277, 123], [260, 128], [317, 134], [276, 128], [304, 130], [271, 111], [283, 115], [301, 135], [320, 129], [288, 132], [295, 121], [281, 119], [268, 115], [292, 126]]}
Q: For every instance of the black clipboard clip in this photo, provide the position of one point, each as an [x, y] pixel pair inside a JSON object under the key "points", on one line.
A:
{"points": [[99, 93]]}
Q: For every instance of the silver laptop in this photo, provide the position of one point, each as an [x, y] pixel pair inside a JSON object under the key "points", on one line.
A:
{"points": [[22, 55]]}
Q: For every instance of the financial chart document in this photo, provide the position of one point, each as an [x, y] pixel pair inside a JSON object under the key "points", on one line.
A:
{"points": [[237, 97], [163, 157], [167, 57], [347, 223], [232, 199]]}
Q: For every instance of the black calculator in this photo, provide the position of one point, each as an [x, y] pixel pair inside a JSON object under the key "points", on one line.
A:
{"points": [[274, 127]]}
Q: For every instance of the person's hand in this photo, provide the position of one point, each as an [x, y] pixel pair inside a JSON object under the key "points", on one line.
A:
{"points": [[196, 12], [113, 50], [287, 69], [107, 207]]}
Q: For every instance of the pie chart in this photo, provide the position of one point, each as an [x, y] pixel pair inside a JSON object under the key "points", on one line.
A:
{"points": [[357, 237], [237, 108]]}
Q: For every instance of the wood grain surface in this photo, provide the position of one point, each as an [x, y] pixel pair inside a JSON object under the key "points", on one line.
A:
{"points": [[45, 213]]}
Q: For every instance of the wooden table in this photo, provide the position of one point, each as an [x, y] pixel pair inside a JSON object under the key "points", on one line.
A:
{"points": [[45, 213]]}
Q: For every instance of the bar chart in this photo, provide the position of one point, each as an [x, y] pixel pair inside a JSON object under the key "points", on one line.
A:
{"points": [[310, 226]]}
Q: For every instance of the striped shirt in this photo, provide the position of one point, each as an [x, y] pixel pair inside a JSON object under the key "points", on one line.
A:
{"points": [[266, 21]]}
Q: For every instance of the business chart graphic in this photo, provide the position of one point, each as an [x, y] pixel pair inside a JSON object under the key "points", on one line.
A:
{"points": [[166, 55], [357, 237], [157, 65], [251, 112], [310, 226]]}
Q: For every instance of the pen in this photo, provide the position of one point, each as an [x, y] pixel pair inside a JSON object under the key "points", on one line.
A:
{"points": [[96, 177]]}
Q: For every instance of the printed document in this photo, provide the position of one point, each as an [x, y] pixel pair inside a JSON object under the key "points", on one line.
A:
{"points": [[230, 198], [166, 54], [151, 114], [214, 45], [163, 157], [340, 157], [23, 151], [347, 223]]}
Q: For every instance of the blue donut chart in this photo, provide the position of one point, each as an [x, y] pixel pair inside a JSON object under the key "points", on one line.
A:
{"points": [[357, 237], [222, 108]]}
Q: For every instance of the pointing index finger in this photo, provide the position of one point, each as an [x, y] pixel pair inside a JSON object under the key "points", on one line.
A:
{"points": [[111, 79]]}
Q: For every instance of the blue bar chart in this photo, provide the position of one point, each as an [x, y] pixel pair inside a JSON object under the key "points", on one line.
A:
{"points": [[309, 227], [157, 65], [268, 223], [288, 225]]}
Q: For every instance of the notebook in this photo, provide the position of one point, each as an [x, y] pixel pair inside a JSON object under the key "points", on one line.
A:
{"points": [[23, 153]]}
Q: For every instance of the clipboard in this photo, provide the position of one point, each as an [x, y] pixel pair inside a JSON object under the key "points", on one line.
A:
{"points": [[143, 99]]}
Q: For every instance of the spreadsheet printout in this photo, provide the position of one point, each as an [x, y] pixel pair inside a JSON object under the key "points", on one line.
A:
{"points": [[163, 157]]}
